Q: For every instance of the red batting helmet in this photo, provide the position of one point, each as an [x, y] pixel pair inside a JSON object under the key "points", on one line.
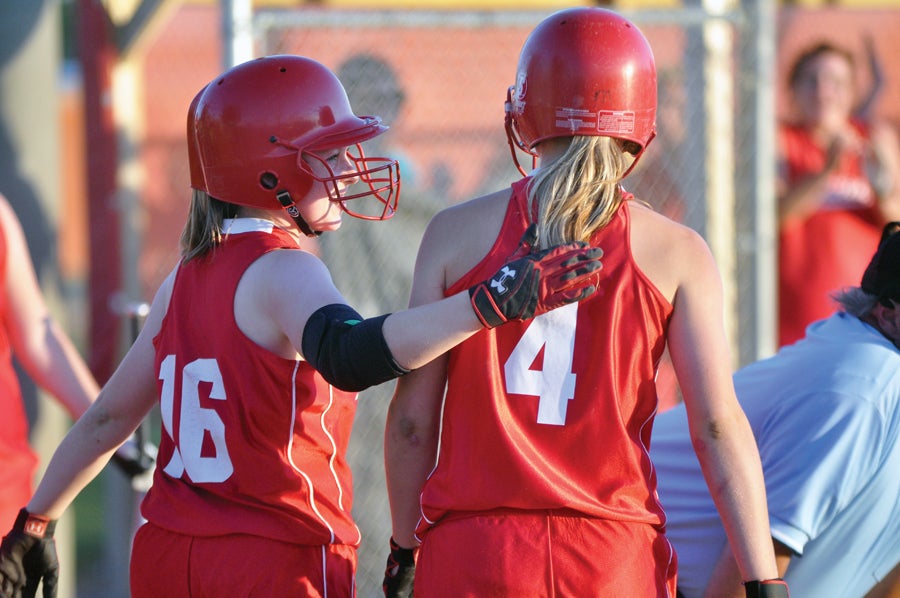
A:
{"points": [[251, 132], [583, 71]]}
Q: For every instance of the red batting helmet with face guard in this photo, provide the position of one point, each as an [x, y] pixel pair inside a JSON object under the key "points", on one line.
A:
{"points": [[583, 71], [251, 133]]}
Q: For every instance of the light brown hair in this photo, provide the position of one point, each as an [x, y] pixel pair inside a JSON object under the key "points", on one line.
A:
{"points": [[203, 229]]}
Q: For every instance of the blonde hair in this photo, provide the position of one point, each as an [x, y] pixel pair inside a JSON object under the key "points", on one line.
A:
{"points": [[579, 193], [203, 229]]}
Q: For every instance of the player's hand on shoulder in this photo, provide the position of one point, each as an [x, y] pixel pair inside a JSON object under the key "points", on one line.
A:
{"points": [[28, 557], [534, 282]]}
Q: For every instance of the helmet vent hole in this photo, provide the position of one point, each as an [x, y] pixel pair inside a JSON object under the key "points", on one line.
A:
{"points": [[268, 180], [283, 70], [631, 147]]}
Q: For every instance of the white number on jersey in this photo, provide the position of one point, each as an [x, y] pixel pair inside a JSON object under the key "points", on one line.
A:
{"points": [[554, 383], [196, 422]]}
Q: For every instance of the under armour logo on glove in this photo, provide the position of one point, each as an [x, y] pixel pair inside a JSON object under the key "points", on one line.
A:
{"points": [[535, 282], [505, 273]]}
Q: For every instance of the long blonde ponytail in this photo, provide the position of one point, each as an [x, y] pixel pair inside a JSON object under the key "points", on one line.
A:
{"points": [[578, 194]]}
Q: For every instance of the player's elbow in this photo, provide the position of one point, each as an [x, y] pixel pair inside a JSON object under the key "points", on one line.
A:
{"points": [[408, 429], [350, 353]]}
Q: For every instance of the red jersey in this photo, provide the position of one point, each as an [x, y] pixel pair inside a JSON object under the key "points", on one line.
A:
{"points": [[17, 460], [556, 412], [830, 249], [251, 443]]}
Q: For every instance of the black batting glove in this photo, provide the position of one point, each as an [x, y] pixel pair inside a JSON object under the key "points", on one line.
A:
{"points": [[535, 282], [767, 588], [400, 572], [28, 556]]}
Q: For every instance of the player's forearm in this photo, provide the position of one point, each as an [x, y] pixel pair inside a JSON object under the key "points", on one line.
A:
{"points": [[410, 450], [79, 458], [730, 462], [405, 480], [449, 322], [725, 581], [61, 371]]}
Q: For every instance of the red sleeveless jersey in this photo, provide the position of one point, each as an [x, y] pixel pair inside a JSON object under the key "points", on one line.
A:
{"points": [[556, 412], [251, 443], [17, 460], [830, 249]]}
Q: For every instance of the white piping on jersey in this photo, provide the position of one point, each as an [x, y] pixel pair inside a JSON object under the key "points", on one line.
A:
{"points": [[646, 450], [337, 480], [669, 564], [331, 463], [328, 435], [324, 573], [437, 460], [312, 491]]}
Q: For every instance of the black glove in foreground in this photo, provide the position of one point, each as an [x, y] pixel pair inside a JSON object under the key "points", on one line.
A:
{"points": [[399, 572], [28, 556]]}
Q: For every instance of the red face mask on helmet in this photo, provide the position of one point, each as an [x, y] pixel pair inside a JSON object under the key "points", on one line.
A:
{"points": [[252, 132], [583, 71]]}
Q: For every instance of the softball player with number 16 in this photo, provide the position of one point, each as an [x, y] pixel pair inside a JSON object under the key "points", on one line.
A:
{"points": [[256, 359]]}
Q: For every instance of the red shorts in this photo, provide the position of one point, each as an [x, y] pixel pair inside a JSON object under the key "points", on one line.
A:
{"points": [[539, 554], [164, 563]]}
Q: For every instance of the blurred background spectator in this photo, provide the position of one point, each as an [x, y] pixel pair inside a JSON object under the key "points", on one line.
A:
{"points": [[838, 174]]}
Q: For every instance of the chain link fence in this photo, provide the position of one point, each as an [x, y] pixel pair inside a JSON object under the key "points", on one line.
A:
{"points": [[440, 79]]}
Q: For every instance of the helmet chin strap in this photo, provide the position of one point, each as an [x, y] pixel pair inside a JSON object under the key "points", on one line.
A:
{"points": [[284, 198]]}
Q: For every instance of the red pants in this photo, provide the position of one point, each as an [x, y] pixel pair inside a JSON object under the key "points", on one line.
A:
{"points": [[164, 563], [539, 554]]}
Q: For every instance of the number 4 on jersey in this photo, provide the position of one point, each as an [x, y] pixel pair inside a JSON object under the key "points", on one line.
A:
{"points": [[554, 383]]}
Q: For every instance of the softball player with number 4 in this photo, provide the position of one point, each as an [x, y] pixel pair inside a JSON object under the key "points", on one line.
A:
{"points": [[518, 462]]}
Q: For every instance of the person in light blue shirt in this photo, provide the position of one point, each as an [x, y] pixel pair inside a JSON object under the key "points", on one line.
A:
{"points": [[826, 415]]}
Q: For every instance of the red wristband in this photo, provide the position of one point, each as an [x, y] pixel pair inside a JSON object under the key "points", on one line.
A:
{"points": [[35, 525]]}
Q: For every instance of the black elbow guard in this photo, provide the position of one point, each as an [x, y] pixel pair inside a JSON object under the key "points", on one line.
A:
{"points": [[349, 352]]}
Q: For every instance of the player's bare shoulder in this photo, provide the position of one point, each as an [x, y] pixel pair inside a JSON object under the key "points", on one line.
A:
{"points": [[295, 272], [458, 237], [666, 251]]}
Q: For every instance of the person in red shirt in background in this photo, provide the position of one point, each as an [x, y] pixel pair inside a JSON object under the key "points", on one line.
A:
{"points": [[838, 184], [31, 335]]}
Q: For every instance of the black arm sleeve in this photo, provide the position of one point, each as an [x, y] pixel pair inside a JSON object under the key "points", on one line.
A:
{"points": [[348, 351]]}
